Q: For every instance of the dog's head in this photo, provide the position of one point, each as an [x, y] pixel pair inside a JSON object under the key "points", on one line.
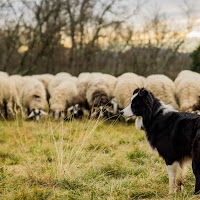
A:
{"points": [[141, 102]]}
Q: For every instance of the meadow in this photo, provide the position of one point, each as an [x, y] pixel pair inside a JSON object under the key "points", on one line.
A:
{"points": [[81, 159]]}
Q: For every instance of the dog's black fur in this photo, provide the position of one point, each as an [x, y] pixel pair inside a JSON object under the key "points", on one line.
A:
{"points": [[175, 135]]}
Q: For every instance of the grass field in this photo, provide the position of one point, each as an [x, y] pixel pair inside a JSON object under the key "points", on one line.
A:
{"points": [[87, 159]]}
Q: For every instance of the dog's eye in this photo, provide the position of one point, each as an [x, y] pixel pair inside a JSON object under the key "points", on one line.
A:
{"points": [[136, 91]]}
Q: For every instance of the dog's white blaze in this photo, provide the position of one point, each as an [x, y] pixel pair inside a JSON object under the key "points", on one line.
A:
{"points": [[133, 97], [175, 174], [139, 123], [127, 112]]}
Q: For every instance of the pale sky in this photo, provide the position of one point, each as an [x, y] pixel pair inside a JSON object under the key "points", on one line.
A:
{"points": [[172, 8]]}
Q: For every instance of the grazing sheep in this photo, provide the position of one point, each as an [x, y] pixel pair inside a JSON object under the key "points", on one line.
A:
{"points": [[163, 88], [82, 84], [188, 94], [126, 84], [62, 98], [55, 82], [187, 90], [100, 92], [45, 79], [17, 81], [80, 101], [185, 74], [8, 97], [33, 98]]}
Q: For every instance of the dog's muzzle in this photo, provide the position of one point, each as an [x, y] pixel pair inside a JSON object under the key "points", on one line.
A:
{"points": [[127, 112]]}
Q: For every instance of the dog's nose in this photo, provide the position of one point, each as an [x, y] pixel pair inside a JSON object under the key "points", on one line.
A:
{"points": [[121, 112]]}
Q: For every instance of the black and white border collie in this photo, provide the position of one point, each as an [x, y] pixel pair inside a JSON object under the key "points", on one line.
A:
{"points": [[175, 135]]}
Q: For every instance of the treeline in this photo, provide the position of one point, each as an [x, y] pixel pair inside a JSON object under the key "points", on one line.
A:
{"points": [[48, 36]]}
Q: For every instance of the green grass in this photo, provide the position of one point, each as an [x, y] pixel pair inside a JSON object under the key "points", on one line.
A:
{"points": [[86, 159]]}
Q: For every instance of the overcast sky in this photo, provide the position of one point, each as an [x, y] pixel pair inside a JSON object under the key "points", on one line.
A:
{"points": [[172, 8]]}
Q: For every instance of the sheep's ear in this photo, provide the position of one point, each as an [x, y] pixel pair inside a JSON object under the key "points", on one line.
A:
{"points": [[109, 109], [31, 114], [43, 113], [70, 109]]}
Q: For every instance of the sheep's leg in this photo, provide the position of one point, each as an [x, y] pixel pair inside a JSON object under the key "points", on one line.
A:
{"points": [[126, 121], [23, 111], [5, 110], [10, 107]]}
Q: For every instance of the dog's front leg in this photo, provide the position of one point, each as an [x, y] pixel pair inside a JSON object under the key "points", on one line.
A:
{"points": [[174, 173]]}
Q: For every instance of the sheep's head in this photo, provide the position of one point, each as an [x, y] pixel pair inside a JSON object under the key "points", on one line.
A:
{"points": [[100, 98], [57, 114], [76, 111], [37, 113], [101, 111]]}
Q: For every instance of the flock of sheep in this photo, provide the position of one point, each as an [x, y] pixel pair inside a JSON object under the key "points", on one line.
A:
{"points": [[63, 95]]}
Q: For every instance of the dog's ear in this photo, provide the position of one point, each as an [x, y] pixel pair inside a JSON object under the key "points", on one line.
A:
{"points": [[143, 92]]}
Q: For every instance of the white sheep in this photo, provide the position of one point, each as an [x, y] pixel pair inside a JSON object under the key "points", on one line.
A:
{"points": [[80, 101], [188, 94], [55, 82], [8, 97], [185, 74], [187, 90], [62, 97], [33, 98], [17, 81], [100, 92], [45, 79], [126, 84], [163, 88], [82, 84]]}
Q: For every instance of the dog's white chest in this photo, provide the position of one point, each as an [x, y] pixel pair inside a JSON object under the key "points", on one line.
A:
{"points": [[139, 123]]}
